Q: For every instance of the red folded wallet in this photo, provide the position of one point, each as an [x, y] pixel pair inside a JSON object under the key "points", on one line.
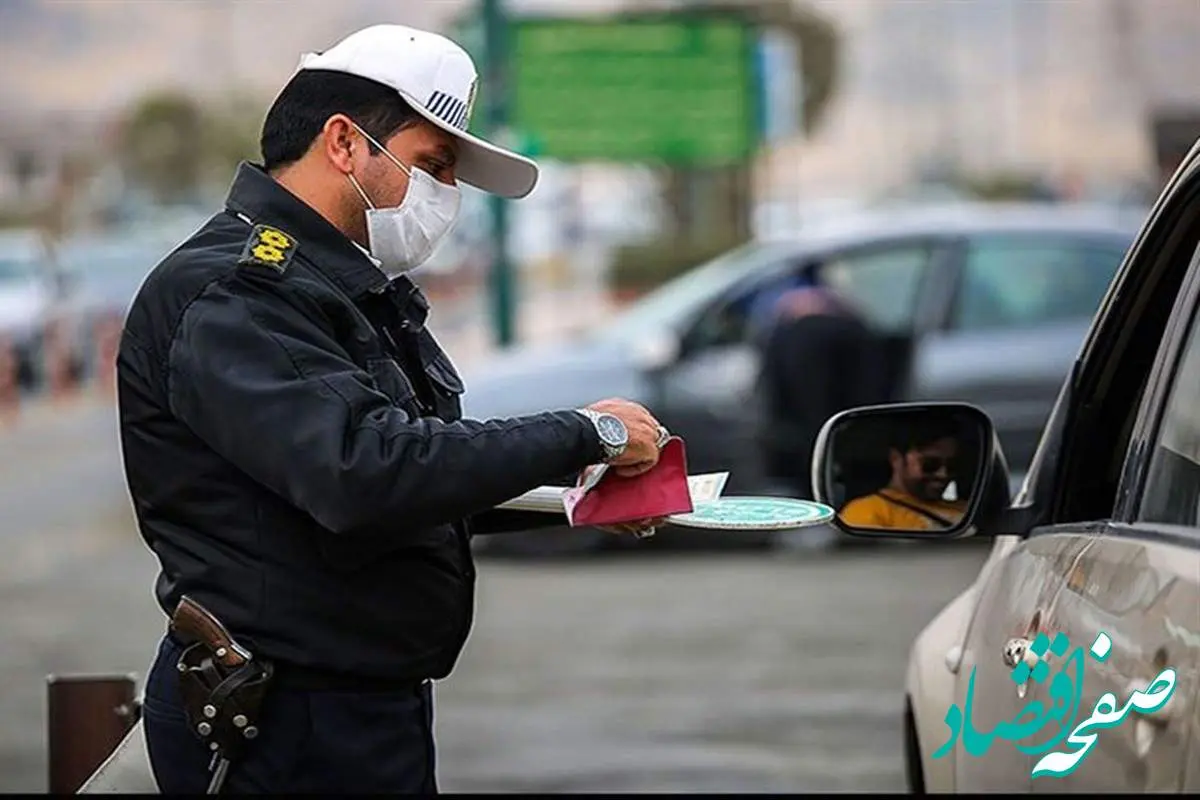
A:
{"points": [[605, 498]]}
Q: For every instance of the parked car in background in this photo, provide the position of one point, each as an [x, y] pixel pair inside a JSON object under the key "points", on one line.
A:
{"points": [[985, 303], [106, 270], [32, 294], [1100, 547]]}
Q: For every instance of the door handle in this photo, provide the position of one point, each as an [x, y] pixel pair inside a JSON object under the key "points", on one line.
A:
{"points": [[954, 657], [1019, 650]]}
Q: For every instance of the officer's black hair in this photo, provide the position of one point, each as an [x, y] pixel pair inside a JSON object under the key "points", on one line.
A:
{"points": [[313, 96]]}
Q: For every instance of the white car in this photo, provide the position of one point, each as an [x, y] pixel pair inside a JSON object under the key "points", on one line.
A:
{"points": [[27, 299], [1072, 663]]}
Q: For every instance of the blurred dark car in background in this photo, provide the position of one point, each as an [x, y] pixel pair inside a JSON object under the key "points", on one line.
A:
{"points": [[983, 303]]}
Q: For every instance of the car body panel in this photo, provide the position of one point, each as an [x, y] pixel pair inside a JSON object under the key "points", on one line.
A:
{"points": [[708, 401], [559, 375], [935, 660], [1014, 598], [929, 686], [1144, 593], [1191, 779], [1137, 582]]}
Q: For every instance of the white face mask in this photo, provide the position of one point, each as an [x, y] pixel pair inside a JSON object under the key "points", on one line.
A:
{"points": [[404, 237]]}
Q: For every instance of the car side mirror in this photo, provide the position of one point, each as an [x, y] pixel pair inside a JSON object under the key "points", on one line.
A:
{"points": [[911, 470]]}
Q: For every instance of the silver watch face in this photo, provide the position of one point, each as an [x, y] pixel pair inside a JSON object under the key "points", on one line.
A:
{"points": [[612, 431]]}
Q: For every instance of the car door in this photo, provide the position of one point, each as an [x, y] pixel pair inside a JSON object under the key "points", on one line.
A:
{"points": [[705, 394], [709, 395], [1015, 604], [1022, 304], [1086, 562], [1136, 596], [1138, 583]]}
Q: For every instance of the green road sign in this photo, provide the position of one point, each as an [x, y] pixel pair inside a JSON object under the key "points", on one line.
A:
{"points": [[675, 89]]}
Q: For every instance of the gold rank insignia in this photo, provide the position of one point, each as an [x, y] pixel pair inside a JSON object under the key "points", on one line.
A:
{"points": [[268, 247]]}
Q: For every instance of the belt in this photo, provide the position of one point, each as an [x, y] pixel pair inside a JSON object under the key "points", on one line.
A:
{"points": [[315, 679]]}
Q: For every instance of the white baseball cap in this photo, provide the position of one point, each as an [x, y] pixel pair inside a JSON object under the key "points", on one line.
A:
{"points": [[438, 79]]}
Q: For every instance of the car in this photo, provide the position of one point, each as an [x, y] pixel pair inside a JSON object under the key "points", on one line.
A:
{"points": [[32, 294], [984, 302], [1095, 566], [105, 271]]}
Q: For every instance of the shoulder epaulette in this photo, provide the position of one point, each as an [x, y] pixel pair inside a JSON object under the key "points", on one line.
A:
{"points": [[268, 247]]}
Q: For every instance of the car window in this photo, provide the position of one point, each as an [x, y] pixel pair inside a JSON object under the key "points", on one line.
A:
{"points": [[1172, 486], [883, 282], [1018, 282], [744, 315], [671, 304]]}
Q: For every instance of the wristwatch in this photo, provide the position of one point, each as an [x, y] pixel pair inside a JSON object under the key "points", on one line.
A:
{"points": [[613, 435]]}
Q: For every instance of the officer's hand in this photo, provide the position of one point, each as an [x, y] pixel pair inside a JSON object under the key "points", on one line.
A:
{"points": [[645, 433]]}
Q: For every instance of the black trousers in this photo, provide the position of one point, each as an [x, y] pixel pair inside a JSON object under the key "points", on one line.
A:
{"points": [[329, 741]]}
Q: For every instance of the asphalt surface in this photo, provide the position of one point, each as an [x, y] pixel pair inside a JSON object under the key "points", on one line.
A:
{"points": [[757, 672]]}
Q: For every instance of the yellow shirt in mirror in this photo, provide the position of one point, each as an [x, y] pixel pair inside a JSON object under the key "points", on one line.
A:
{"points": [[889, 509]]}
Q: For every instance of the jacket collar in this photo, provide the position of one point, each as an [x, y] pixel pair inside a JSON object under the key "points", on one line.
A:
{"points": [[257, 195]]}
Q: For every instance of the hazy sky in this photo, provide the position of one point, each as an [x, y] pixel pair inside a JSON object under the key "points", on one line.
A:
{"points": [[1006, 76], [94, 54]]}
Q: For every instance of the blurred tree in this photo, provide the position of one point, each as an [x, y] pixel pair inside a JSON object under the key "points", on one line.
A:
{"points": [[176, 148], [231, 135], [638, 268], [1000, 186], [715, 205], [61, 213], [161, 146]]}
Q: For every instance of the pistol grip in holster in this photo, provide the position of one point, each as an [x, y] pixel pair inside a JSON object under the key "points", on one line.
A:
{"points": [[222, 704], [221, 684]]}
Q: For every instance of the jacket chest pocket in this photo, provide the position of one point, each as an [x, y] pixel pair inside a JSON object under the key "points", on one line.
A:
{"points": [[447, 387], [392, 381]]}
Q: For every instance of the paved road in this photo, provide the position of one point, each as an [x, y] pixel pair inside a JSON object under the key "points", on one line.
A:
{"points": [[718, 672]]}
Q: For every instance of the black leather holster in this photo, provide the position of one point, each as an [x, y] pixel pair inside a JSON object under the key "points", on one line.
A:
{"points": [[222, 704]]}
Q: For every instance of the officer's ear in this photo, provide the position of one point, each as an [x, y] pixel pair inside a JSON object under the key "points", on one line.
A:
{"points": [[341, 143]]}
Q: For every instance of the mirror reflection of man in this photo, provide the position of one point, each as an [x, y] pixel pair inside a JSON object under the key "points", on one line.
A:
{"points": [[923, 462]]}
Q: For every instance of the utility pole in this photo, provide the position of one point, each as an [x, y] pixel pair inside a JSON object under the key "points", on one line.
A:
{"points": [[496, 92]]}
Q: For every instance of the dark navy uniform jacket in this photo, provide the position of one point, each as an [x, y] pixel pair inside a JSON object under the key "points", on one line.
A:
{"points": [[294, 448]]}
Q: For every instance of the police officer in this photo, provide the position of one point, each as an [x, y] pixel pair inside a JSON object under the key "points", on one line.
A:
{"points": [[291, 430]]}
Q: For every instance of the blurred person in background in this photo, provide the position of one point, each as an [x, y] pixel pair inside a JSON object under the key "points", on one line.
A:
{"points": [[292, 432], [765, 307], [923, 459], [819, 357]]}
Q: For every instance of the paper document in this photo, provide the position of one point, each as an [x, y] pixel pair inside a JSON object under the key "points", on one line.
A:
{"points": [[708, 487], [544, 498], [549, 499]]}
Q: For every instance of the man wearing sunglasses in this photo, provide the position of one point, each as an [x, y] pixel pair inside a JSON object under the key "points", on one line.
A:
{"points": [[923, 462]]}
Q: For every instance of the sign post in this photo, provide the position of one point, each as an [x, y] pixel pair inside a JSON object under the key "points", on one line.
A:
{"points": [[496, 94]]}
